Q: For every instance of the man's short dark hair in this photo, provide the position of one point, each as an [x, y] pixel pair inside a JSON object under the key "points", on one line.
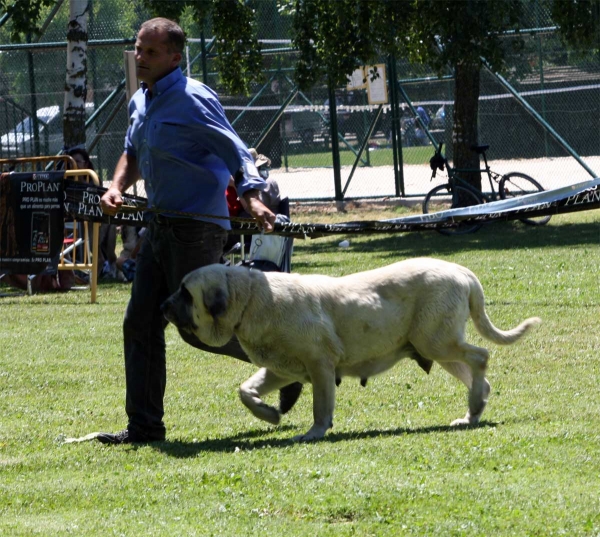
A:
{"points": [[176, 36]]}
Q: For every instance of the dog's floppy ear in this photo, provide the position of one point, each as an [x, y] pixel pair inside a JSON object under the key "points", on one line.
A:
{"points": [[185, 295], [216, 303]]}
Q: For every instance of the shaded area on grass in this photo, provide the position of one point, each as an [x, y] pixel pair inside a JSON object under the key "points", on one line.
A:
{"points": [[242, 441]]}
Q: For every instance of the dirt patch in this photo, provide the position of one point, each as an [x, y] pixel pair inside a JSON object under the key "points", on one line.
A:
{"points": [[327, 212]]}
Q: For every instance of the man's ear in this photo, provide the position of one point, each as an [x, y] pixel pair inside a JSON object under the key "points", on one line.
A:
{"points": [[176, 60]]}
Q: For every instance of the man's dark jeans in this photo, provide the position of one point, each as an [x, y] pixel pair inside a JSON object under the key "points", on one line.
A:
{"points": [[171, 248]]}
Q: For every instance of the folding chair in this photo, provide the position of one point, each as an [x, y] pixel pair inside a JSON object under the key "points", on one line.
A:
{"points": [[271, 253]]}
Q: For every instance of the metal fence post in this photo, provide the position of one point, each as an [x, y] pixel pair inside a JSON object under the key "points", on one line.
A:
{"points": [[204, 66], [335, 146], [34, 118], [396, 131]]}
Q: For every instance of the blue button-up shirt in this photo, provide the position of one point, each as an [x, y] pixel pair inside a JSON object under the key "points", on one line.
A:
{"points": [[186, 149]]}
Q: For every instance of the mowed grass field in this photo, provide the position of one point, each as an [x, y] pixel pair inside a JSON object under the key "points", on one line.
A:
{"points": [[390, 466], [382, 157]]}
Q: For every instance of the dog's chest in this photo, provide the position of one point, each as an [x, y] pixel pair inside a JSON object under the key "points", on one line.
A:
{"points": [[280, 363]]}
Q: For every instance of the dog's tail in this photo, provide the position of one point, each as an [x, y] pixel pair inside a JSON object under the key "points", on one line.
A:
{"points": [[484, 325]]}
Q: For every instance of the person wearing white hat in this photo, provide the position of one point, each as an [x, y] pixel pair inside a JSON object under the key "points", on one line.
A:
{"points": [[270, 196]]}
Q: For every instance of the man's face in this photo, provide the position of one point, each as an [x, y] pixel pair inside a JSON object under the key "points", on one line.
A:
{"points": [[152, 57]]}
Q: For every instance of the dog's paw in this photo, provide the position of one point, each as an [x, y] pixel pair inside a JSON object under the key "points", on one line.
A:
{"points": [[306, 438], [267, 413], [460, 422], [314, 433], [258, 407], [468, 420]]}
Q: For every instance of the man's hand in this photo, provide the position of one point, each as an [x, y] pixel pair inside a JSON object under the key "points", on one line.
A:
{"points": [[259, 211], [126, 174], [111, 201]]}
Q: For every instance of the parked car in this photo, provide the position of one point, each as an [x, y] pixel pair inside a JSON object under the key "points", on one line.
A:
{"points": [[19, 141]]}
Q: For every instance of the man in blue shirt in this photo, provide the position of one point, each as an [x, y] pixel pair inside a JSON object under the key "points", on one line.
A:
{"points": [[180, 142]]}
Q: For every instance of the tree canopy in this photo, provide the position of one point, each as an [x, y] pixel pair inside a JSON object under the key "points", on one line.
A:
{"points": [[579, 22], [25, 15], [238, 59], [334, 38]]}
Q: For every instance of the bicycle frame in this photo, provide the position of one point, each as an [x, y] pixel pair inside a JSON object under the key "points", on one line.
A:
{"points": [[464, 193], [493, 177]]}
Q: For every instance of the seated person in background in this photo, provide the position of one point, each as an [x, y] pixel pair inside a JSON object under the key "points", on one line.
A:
{"points": [[423, 121], [273, 252], [234, 206], [424, 118], [107, 242], [132, 240], [270, 196]]}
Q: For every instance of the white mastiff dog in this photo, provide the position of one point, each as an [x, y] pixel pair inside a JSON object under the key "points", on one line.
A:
{"points": [[319, 329]]}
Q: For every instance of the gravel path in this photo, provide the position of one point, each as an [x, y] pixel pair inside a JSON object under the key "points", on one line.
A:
{"points": [[317, 183]]}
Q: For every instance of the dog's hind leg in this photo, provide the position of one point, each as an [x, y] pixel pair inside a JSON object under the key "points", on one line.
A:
{"points": [[262, 383], [471, 371]]}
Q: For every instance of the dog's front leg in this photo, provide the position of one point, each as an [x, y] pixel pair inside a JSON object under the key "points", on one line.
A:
{"points": [[261, 383], [323, 382]]}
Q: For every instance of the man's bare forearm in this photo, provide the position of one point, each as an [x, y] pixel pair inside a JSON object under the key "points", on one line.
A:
{"points": [[258, 210], [126, 173]]}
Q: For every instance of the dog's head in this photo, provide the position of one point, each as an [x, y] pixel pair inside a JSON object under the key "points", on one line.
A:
{"points": [[209, 303]]}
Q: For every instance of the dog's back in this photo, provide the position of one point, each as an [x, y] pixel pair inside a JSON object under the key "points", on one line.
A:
{"points": [[412, 296]]}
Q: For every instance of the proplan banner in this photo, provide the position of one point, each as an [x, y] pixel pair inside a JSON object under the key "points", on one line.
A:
{"points": [[573, 198], [82, 202], [31, 221]]}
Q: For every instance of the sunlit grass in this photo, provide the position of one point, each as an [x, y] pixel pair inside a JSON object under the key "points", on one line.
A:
{"points": [[378, 156], [390, 466]]}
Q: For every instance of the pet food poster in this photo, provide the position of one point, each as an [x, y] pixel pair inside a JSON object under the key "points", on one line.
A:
{"points": [[31, 221]]}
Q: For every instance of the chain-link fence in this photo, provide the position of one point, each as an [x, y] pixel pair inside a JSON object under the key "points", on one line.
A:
{"points": [[32, 77], [295, 128]]}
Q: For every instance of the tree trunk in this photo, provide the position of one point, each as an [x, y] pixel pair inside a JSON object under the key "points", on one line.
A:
{"points": [[76, 80], [466, 112]]}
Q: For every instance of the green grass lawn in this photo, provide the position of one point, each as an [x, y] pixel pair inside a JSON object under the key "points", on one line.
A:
{"points": [[379, 157], [390, 466]]}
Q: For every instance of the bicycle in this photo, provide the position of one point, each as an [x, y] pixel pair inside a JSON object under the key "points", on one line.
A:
{"points": [[463, 194]]}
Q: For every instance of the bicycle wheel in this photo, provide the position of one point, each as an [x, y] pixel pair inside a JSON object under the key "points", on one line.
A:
{"points": [[442, 198], [516, 184]]}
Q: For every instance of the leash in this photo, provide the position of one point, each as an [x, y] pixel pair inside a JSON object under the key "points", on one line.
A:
{"points": [[128, 209], [572, 198]]}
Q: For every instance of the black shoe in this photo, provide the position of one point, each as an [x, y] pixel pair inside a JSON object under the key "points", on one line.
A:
{"points": [[126, 437]]}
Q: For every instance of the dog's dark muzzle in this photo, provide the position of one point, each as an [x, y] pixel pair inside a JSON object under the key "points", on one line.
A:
{"points": [[177, 309]]}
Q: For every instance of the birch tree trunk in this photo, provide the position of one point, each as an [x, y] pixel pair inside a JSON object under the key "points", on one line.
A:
{"points": [[76, 79]]}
